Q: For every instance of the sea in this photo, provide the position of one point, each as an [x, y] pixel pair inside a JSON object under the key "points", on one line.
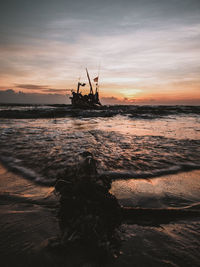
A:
{"points": [[151, 154]]}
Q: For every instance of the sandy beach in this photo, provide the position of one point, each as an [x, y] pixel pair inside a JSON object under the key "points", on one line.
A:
{"points": [[28, 220]]}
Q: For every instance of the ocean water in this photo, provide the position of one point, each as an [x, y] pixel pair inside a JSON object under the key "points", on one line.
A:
{"points": [[152, 154], [124, 145]]}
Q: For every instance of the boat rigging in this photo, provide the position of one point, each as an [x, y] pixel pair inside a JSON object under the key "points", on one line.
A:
{"points": [[90, 100]]}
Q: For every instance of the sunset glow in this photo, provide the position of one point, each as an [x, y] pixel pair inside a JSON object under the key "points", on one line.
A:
{"points": [[148, 51]]}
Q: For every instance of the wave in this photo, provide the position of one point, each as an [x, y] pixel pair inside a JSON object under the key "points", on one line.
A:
{"points": [[13, 165], [151, 174], [56, 111]]}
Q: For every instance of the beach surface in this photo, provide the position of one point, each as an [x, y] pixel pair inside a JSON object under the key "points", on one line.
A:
{"points": [[27, 218], [150, 153], [28, 221]]}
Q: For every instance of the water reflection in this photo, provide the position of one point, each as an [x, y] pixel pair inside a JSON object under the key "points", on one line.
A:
{"points": [[180, 190]]}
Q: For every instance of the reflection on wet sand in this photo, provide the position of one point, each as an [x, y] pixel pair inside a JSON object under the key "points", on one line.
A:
{"points": [[180, 190]]}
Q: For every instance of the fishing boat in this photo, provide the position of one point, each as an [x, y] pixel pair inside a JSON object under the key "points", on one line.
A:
{"points": [[90, 100]]}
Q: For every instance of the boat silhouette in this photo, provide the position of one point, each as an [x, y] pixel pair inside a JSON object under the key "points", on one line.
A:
{"points": [[90, 100]]}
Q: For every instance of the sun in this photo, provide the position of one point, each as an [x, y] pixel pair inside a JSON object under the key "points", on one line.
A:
{"points": [[130, 93]]}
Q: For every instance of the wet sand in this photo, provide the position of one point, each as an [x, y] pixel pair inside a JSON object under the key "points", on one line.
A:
{"points": [[173, 190], [28, 220]]}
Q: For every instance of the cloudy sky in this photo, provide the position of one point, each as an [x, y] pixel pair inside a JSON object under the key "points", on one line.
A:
{"points": [[148, 50]]}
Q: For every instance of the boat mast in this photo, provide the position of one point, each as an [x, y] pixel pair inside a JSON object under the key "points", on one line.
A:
{"points": [[97, 80], [91, 90], [78, 86]]}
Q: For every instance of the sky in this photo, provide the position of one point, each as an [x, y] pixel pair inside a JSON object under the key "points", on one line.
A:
{"points": [[145, 51]]}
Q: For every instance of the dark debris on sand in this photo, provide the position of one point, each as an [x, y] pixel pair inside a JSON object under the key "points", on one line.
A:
{"points": [[89, 216]]}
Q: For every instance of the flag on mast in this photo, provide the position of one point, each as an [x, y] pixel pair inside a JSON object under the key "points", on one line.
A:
{"points": [[96, 79]]}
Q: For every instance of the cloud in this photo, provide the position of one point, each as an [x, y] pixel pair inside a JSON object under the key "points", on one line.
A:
{"points": [[50, 90], [31, 86], [129, 56], [10, 96], [42, 88], [115, 101], [149, 101], [166, 101]]}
